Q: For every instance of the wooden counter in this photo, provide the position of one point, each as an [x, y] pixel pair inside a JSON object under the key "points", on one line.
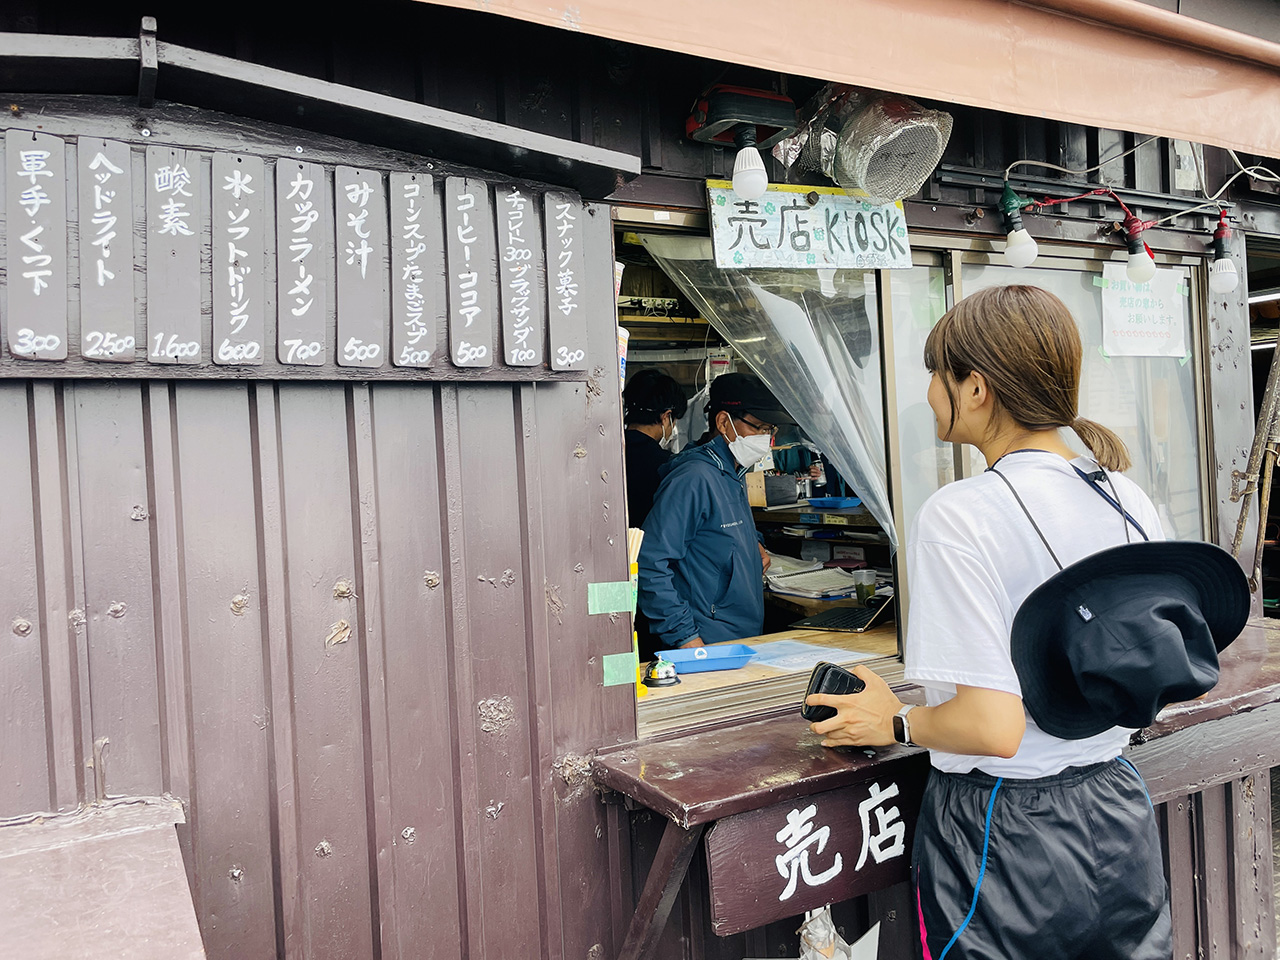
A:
{"points": [[702, 698]]}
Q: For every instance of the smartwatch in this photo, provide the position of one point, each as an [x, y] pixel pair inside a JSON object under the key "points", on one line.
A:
{"points": [[901, 728]]}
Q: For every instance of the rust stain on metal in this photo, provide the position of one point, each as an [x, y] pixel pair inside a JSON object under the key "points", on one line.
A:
{"points": [[344, 590], [240, 603], [324, 849], [593, 384], [139, 512], [76, 619], [98, 764], [431, 579], [339, 632], [554, 603], [573, 769], [21, 626], [579, 451], [117, 609], [496, 714]]}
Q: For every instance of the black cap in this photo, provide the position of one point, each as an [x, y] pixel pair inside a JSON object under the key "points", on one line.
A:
{"points": [[744, 393], [1112, 639]]}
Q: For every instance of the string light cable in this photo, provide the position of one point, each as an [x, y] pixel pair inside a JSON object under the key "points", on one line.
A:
{"points": [[1021, 249]]}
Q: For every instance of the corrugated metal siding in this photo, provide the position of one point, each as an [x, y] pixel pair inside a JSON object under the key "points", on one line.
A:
{"points": [[183, 551]]}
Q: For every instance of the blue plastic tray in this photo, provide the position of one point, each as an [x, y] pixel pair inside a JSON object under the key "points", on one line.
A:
{"points": [[834, 503], [730, 656]]}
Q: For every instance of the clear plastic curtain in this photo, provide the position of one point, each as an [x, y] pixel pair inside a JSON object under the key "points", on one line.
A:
{"points": [[812, 337]]}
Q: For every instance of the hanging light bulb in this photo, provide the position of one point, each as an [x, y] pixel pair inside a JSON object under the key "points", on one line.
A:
{"points": [[1223, 277], [1142, 266], [1019, 248], [750, 181]]}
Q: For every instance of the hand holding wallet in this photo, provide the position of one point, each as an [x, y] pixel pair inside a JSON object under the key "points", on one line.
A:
{"points": [[831, 679]]}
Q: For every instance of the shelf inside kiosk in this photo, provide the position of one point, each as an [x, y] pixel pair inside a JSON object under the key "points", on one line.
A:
{"points": [[815, 500]]}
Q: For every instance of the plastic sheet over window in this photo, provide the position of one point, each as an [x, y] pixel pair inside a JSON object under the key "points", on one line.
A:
{"points": [[812, 337]]}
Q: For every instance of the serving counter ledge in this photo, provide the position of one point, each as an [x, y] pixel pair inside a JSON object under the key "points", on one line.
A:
{"points": [[790, 825]]}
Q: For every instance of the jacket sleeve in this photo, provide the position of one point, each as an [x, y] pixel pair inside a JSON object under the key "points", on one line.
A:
{"points": [[682, 503]]}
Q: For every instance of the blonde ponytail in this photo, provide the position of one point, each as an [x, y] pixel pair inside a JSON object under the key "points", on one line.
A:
{"points": [[1107, 448]]}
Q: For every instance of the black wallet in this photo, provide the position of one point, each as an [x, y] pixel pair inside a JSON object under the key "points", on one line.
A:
{"points": [[833, 679]]}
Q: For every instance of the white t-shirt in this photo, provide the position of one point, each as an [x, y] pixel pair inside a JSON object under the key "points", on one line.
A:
{"points": [[974, 557]]}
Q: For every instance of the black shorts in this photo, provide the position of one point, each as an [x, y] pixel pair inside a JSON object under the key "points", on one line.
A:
{"points": [[1060, 867]]}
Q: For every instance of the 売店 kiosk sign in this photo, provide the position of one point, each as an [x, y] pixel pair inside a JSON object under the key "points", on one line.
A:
{"points": [[806, 228]]}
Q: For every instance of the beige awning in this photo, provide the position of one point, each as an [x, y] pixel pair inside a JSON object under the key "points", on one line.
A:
{"points": [[1117, 64]]}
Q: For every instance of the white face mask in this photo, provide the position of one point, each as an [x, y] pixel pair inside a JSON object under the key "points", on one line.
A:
{"points": [[749, 451], [669, 442]]}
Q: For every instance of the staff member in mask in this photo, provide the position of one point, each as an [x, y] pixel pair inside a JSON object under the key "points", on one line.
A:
{"points": [[701, 562], [651, 404]]}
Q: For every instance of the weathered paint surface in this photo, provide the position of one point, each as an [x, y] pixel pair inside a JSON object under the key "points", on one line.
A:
{"points": [[179, 557]]}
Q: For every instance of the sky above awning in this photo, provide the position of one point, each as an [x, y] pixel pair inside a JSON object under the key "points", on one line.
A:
{"points": [[1117, 64]]}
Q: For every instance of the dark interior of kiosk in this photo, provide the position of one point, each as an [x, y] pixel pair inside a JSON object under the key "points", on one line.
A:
{"points": [[805, 525]]}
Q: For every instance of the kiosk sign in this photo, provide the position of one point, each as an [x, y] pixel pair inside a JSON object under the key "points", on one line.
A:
{"points": [[798, 855], [806, 228]]}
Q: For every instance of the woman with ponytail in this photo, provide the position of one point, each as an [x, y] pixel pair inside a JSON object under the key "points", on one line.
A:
{"points": [[1027, 845]]}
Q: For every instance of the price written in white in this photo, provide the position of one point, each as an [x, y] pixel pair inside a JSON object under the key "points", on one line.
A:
{"points": [[517, 264], [417, 352], [566, 288], [101, 344], [239, 186], [468, 283], [171, 181]]}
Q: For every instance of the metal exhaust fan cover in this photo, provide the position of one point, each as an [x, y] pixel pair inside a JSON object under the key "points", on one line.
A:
{"points": [[888, 147]]}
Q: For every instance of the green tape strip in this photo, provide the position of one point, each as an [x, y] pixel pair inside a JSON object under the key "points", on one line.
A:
{"points": [[1103, 350], [1183, 361], [1101, 282], [613, 597], [620, 668], [1183, 289]]}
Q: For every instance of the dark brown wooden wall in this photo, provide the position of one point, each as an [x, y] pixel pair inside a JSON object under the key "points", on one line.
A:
{"points": [[177, 557]]}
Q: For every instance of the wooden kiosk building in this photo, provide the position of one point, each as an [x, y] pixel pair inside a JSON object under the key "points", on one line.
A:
{"points": [[309, 390]]}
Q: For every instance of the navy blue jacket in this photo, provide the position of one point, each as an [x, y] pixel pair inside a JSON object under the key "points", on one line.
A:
{"points": [[700, 570]]}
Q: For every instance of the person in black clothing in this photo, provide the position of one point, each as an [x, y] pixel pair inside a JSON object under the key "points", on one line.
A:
{"points": [[651, 403]]}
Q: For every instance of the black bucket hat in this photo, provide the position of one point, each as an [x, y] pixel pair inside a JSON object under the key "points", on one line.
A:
{"points": [[1112, 639]]}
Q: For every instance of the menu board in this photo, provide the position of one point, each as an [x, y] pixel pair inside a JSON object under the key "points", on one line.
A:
{"points": [[565, 260], [107, 326], [36, 198], [240, 190], [364, 308], [304, 263], [470, 258], [521, 275], [174, 184]]}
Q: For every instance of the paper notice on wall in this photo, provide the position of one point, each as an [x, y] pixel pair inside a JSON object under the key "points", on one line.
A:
{"points": [[1143, 319]]}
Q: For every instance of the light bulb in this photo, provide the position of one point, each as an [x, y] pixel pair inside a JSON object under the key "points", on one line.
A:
{"points": [[750, 181], [1020, 249], [1223, 277], [1141, 268]]}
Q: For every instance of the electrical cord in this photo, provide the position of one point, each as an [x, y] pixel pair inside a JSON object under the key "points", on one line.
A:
{"points": [[1096, 166], [1213, 202]]}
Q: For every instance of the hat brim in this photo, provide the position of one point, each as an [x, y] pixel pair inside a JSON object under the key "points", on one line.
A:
{"points": [[1055, 703]]}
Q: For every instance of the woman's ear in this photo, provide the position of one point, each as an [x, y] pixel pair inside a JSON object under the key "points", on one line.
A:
{"points": [[974, 391]]}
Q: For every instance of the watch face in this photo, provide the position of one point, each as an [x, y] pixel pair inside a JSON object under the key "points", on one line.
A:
{"points": [[899, 731]]}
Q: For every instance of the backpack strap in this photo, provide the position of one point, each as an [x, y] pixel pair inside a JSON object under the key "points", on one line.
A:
{"points": [[1035, 525], [1112, 498]]}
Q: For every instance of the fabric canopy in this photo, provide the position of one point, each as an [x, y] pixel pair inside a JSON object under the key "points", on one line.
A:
{"points": [[1117, 64]]}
